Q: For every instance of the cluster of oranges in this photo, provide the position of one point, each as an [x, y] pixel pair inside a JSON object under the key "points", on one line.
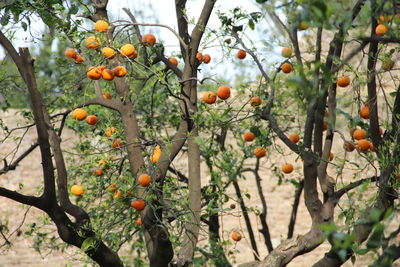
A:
{"points": [[80, 114], [383, 24]]}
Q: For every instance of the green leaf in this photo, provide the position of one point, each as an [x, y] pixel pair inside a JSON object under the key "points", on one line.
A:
{"points": [[88, 243], [251, 24], [376, 237], [24, 25], [73, 10]]}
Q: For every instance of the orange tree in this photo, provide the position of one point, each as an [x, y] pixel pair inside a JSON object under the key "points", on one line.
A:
{"points": [[141, 111]]}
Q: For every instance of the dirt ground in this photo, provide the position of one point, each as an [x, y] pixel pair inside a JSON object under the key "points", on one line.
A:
{"points": [[279, 199]]}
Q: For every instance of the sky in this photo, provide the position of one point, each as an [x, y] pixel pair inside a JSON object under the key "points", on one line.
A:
{"points": [[163, 11]]}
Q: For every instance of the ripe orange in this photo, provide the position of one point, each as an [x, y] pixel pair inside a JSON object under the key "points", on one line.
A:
{"points": [[138, 204], [371, 147], [148, 39], [286, 67], [381, 29], [359, 134], [119, 71], [224, 92], [303, 25], [118, 194], [286, 52], [363, 145], [294, 138], [101, 25], [107, 75], [139, 221], [199, 56], [209, 97], [287, 168], [348, 146], [384, 19], [241, 54], [99, 172], [206, 58], [344, 81], [156, 154], [255, 101], [79, 114], [173, 60], [134, 55], [364, 112], [249, 136], [71, 53], [107, 95], [77, 190], [260, 152], [117, 143], [91, 119], [110, 131], [94, 73], [108, 52], [79, 59], [236, 236], [144, 180], [127, 50], [331, 156], [92, 42]]}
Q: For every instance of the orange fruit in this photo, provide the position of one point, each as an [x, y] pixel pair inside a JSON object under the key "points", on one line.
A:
{"points": [[138, 204], [255, 101], [144, 180], [331, 156], [260, 152], [224, 92], [294, 138], [363, 145], [156, 154], [127, 50], [139, 221], [148, 39], [249, 136], [359, 134], [107, 95], [380, 131], [381, 29], [236, 236], [118, 194], [110, 131], [71, 53], [173, 60], [79, 114], [112, 187], [387, 64], [287, 168], [77, 190], [92, 42], [99, 172], [79, 59], [107, 75], [303, 25], [91, 119], [199, 56], [101, 68], [108, 52], [286, 52], [206, 58], [101, 25], [371, 147], [241, 54], [119, 71], [134, 55], [286, 67], [348, 146], [94, 73], [364, 112], [384, 19], [343, 81], [209, 97], [117, 143]]}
